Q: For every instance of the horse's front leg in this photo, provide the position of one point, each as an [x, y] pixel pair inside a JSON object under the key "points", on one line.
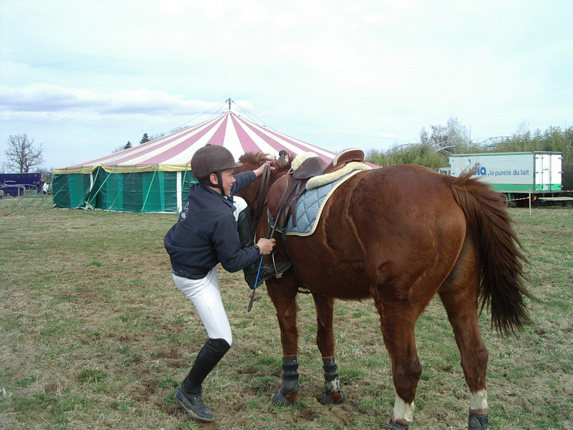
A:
{"points": [[325, 340], [283, 295]]}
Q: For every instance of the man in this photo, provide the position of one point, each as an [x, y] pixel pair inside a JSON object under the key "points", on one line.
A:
{"points": [[214, 227], [283, 158]]}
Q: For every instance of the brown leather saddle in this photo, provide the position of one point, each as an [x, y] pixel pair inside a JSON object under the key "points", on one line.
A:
{"points": [[284, 193]]}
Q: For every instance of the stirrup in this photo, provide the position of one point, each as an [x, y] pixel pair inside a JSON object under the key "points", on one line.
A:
{"points": [[269, 271]]}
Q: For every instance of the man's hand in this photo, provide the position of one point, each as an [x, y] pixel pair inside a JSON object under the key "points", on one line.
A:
{"points": [[259, 171], [266, 245]]}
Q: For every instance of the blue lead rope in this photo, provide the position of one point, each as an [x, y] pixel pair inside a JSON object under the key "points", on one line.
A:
{"points": [[255, 287], [270, 232]]}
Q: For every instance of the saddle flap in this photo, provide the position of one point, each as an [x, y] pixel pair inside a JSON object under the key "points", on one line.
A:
{"points": [[276, 194], [282, 198]]}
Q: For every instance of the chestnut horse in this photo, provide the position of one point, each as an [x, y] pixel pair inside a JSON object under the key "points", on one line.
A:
{"points": [[400, 235]]}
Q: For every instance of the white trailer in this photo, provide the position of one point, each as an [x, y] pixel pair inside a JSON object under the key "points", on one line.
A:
{"points": [[516, 174]]}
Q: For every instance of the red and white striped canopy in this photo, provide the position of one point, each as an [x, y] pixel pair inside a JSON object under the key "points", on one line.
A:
{"points": [[173, 152]]}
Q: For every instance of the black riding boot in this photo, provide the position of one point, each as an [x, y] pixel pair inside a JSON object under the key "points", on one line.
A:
{"points": [[211, 353], [247, 238], [189, 394]]}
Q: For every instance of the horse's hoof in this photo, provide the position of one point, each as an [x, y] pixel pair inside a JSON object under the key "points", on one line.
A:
{"points": [[397, 426], [335, 398], [279, 399]]}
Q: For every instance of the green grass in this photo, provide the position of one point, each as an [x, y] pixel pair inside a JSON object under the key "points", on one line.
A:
{"points": [[93, 334]]}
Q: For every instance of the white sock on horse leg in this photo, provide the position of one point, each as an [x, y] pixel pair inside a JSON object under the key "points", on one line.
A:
{"points": [[478, 401], [402, 410]]}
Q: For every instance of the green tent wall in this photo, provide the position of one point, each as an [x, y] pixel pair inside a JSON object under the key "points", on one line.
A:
{"points": [[156, 191]]}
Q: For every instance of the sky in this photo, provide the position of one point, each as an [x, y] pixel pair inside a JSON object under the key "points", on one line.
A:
{"points": [[81, 78]]}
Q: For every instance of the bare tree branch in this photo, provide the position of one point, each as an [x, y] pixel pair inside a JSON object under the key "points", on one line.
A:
{"points": [[22, 155]]}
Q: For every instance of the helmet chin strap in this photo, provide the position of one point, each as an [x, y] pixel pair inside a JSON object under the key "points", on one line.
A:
{"points": [[219, 185]]}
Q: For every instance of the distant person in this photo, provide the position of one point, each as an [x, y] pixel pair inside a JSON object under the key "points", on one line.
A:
{"points": [[214, 227], [283, 158]]}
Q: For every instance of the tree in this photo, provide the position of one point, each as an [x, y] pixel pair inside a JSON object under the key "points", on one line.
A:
{"points": [[144, 139], [22, 155], [453, 138], [121, 148], [553, 139], [423, 154], [46, 174]]}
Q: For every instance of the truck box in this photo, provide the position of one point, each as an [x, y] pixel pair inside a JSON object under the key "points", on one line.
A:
{"points": [[19, 184], [514, 172]]}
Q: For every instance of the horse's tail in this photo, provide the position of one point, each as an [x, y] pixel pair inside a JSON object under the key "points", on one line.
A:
{"points": [[500, 252]]}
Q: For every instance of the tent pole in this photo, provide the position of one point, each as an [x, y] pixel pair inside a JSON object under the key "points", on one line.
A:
{"points": [[118, 191], [33, 200], [98, 190], [178, 189], [92, 182], [149, 188], [55, 195]]}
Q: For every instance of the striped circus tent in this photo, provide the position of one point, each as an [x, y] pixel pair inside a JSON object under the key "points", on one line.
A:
{"points": [[155, 176]]}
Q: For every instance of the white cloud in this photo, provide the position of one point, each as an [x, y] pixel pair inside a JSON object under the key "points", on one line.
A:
{"points": [[46, 98], [334, 73]]}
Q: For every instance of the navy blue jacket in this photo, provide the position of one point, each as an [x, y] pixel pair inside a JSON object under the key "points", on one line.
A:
{"points": [[206, 233]]}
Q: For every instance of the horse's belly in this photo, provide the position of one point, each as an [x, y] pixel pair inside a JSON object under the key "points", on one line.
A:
{"points": [[324, 272]]}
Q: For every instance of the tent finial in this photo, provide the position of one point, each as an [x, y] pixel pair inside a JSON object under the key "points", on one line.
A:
{"points": [[229, 101]]}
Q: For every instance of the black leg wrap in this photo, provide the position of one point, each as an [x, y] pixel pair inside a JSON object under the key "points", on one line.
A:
{"points": [[397, 426], [332, 389], [290, 385], [211, 353], [477, 422]]}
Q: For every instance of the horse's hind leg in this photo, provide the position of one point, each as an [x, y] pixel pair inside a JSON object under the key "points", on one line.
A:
{"points": [[459, 294], [325, 340], [398, 319]]}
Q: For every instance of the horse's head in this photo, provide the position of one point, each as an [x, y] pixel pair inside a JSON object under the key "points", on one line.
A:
{"points": [[255, 195], [252, 161]]}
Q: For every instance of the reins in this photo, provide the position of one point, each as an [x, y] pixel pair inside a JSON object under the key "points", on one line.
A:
{"points": [[261, 194], [260, 200]]}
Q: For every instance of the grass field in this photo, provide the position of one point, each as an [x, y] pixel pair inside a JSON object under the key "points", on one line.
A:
{"points": [[94, 335]]}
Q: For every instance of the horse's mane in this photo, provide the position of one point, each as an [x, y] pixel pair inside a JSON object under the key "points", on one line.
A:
{"points": [[252, 160]]}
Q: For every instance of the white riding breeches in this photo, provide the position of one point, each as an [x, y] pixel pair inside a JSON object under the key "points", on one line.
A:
{"points": [[206, 297], [205, 294]]}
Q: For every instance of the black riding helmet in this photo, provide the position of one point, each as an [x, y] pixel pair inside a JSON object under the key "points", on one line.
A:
{"points": [[212, 159]]}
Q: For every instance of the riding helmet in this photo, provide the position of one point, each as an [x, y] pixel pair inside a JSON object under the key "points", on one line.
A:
{"points": [[212, 159]]}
